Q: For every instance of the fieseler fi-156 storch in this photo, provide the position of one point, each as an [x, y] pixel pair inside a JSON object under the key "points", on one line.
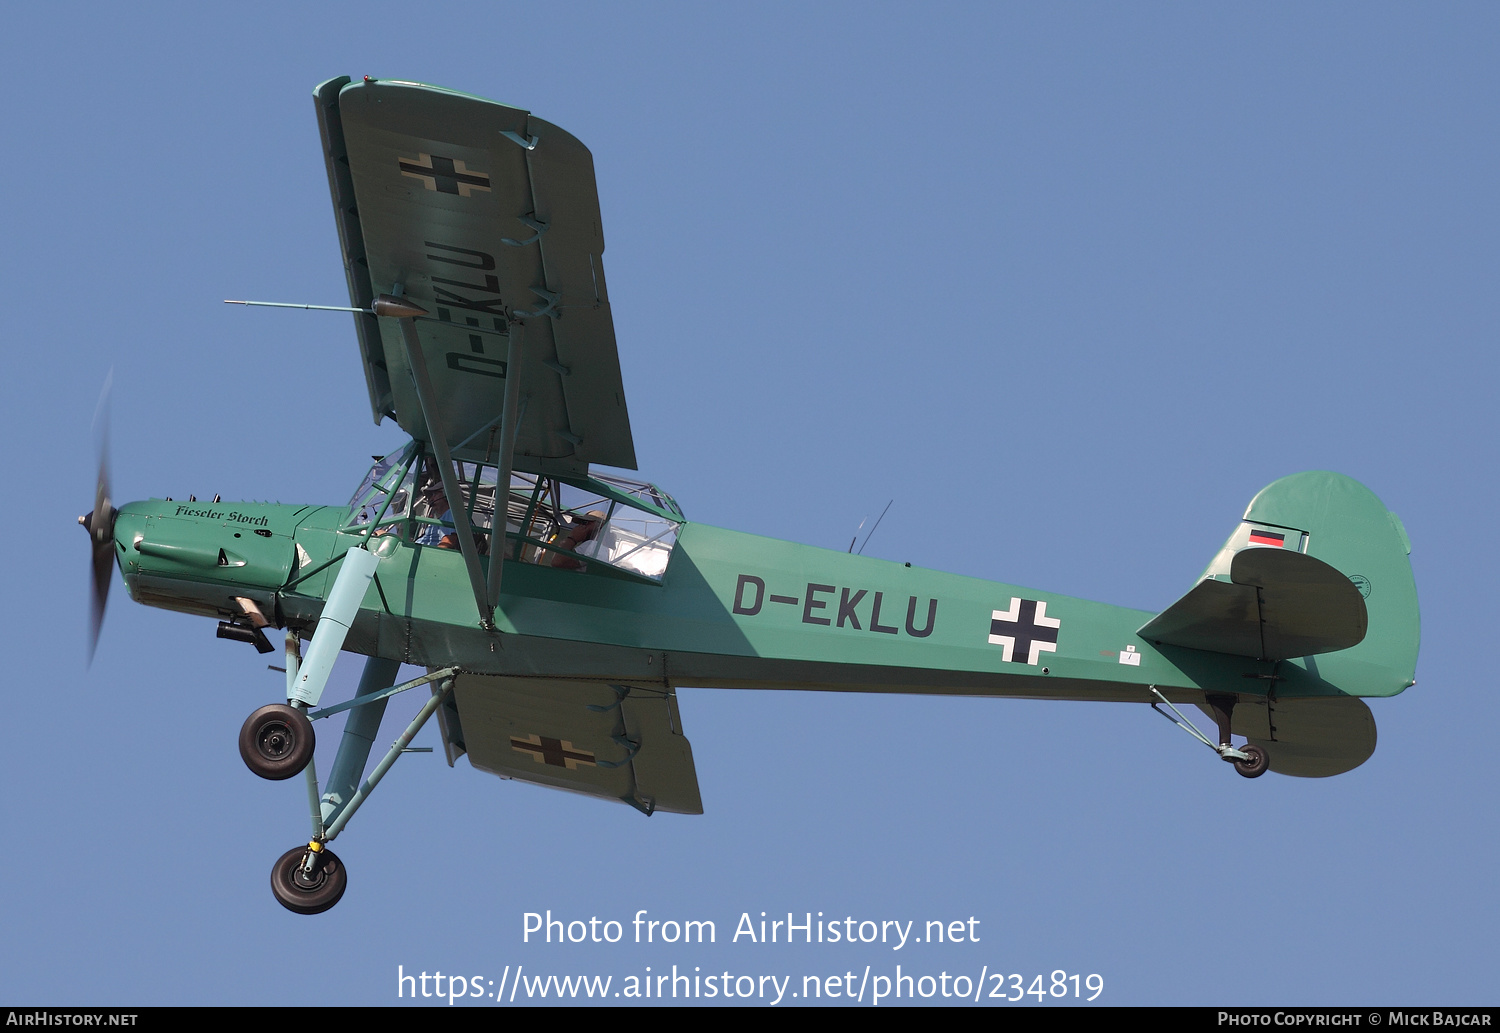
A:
{"points": [[557, 608]]}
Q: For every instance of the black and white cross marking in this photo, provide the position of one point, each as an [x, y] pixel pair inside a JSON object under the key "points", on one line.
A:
{"points": [[445, 175], [558, 752], [1024, 631]]}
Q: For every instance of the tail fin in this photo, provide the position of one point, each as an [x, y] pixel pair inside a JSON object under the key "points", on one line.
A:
{"points": [[1346, 526], [1317, 575]]}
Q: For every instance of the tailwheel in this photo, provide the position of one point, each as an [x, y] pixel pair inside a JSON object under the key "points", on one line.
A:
{"points": [[309, 885], [1249, 760], [276, 741], [1256, 763]]}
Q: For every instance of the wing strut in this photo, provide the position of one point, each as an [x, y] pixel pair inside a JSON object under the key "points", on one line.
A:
{"points": [[405, 313], [509, 419]]}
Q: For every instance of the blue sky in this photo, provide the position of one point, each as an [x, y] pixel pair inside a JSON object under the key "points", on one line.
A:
{"points": [[1068, 282]]}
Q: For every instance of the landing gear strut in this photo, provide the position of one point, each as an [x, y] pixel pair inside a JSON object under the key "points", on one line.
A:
{"points": [[310, 879], [1249, 760]]}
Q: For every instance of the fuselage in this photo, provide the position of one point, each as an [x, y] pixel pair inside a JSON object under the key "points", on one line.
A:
{"points": [[730, 610]]}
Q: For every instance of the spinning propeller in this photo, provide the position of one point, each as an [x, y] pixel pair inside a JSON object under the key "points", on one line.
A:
{"points": [[100, 524]]}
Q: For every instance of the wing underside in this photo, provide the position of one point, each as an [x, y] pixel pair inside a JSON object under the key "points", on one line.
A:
{"points": [[488, 218], [616, 741]]}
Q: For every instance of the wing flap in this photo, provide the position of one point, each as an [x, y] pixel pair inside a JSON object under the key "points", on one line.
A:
{"points": [[1277, 604], [618, 742]]}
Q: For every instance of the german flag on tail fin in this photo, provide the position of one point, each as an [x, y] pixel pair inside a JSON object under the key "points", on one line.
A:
{"points": [[1317, 576]]}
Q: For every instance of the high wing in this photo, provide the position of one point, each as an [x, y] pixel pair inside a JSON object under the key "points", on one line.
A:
{"points": [[488, 218], [620, 742]]}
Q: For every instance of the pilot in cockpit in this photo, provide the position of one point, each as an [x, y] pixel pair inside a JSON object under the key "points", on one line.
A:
{"points": [[584, 528], [433, 502]]}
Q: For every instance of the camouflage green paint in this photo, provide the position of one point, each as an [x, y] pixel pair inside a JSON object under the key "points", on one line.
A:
{"points": [[737, 610]]}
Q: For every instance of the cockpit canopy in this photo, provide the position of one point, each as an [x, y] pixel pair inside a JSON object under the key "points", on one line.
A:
{"points": [[625, 525]]}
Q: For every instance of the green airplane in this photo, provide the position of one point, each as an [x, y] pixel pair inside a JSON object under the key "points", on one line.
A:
{"points": [[471, 239]]}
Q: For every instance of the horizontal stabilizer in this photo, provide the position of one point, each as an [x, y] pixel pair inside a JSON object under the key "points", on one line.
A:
{"points": [[1309, 738], [1277, 604]]}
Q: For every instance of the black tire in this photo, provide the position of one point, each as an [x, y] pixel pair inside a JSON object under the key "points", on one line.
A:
{"points": [[277, 741], [1258, 764], [296, 891]]}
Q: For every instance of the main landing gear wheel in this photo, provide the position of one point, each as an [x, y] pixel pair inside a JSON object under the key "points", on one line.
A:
{"points": [[308, 893], [1256, 762], [276, 742]]}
